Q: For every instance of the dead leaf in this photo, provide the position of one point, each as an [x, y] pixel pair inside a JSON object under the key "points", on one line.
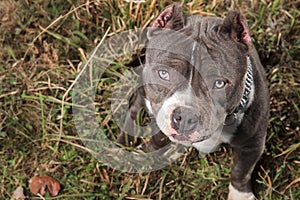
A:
{"points": [[39, 184], [18, 194]]}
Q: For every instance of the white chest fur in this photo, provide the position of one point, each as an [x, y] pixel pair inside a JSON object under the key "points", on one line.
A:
{"points": [[223, 135], [212, 144]]}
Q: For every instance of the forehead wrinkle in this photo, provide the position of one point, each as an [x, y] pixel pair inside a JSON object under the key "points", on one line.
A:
{"points": [[175, 60], [179, 64]]}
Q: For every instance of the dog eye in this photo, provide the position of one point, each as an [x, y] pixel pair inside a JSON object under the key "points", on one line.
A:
{"points": [[219, 84], [163, 74]]}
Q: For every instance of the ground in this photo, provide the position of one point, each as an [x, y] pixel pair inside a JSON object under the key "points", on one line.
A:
{"points": [[43, 47]]}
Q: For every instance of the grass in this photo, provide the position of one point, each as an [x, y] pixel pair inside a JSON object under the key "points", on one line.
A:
{"points": [[43, 45]]}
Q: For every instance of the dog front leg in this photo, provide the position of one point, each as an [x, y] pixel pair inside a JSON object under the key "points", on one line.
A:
{"points": [[128, 135], [244, 161], [157, 141]]}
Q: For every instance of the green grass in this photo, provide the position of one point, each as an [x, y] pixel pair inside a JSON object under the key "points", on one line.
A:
{"points": [[43, 45]]}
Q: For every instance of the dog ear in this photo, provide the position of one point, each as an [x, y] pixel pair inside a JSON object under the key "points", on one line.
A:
{"points": [[236, 26], [171, 18]]}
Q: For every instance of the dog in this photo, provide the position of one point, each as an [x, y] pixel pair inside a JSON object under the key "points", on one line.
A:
{"points": [[204, 85]]}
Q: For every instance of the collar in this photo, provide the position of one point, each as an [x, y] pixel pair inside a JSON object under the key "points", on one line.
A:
{"points": [[231, 118]]}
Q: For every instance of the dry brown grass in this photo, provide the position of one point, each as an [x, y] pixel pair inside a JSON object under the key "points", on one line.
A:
{"points": [[43, 46]]}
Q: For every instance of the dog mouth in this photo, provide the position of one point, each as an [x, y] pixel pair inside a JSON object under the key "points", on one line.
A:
{"points": [[183, 139], [185, 124]]}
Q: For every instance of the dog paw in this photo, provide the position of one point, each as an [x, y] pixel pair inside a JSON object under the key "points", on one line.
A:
{"points": [[234, 194]]}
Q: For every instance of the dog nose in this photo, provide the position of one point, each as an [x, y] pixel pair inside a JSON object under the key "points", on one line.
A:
{"points": [[184, 120]]}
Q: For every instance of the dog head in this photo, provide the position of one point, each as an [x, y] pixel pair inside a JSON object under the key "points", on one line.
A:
{"points": [[195, 70]]}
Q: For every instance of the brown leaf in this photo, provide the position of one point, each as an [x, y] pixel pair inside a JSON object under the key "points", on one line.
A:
{"points": [[39, 184]]}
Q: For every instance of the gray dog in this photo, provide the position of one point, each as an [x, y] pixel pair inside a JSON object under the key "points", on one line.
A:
{"points": [[204, 85]]}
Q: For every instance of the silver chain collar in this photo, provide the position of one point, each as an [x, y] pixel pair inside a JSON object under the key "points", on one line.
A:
{"points": [[231, 118]]}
